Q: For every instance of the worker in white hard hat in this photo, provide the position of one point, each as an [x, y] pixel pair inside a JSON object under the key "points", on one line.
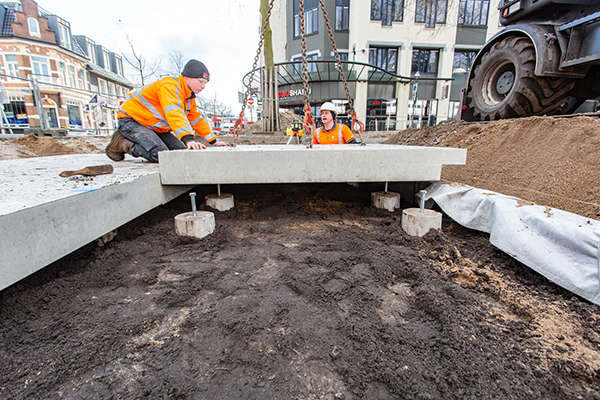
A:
{"points": [[332, 132]]}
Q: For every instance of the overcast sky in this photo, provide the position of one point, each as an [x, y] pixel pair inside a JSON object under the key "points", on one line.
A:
{"points": [[223, 34]]}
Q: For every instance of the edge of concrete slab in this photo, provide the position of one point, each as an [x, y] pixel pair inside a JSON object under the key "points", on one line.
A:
{"points": [[35, 236], [299, 164]]}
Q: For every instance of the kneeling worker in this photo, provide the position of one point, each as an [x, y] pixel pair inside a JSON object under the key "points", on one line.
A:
{"points": [[332, 132], [163, 116]]}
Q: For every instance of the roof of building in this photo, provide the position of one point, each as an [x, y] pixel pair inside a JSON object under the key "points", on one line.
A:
{"points": [[9, 17], [108, 74], [76, 48]]}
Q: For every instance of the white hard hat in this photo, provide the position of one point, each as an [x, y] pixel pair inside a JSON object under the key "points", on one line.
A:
{"points": [[329, 106]]}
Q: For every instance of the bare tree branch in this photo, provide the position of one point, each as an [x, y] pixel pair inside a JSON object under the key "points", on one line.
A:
{"points": [[140, 63], [213, 107], [176, 63]]}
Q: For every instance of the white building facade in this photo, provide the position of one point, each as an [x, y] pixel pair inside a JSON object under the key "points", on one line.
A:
{"points": [[394, 52]]}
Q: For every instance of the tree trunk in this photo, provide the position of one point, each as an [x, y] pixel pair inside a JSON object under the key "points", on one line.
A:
{"points": [[268, 43], [269, 76]]}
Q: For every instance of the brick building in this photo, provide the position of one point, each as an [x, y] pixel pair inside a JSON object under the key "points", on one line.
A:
{"points": [[54, 79]]}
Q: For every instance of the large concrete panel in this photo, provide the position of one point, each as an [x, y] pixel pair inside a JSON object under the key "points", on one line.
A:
{"points": [[44, 217], [299, 164]]}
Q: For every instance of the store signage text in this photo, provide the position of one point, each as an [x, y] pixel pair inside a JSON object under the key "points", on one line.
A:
{"points": [[294, 92]]}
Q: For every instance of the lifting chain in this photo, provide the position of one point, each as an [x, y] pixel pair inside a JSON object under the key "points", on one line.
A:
{"points": [[357, 126], [237, 128], [309, 126]]}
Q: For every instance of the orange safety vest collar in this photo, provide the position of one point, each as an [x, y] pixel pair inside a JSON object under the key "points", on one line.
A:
{"points": [[340, 137]]}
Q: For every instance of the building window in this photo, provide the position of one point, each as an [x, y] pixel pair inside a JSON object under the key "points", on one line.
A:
{"points": [[344, 57], [65, 36], [91, 52], [71, 76], [102, 84], [106, 59], [431, 12], [385, 58], [311, 67], [63, 73], [80, 79], [342, 12], [387, 11], [16, 112], [34, 27], [473, 12], [12, 65], [311, 17], [463, 60], [425, 61], [40, 68], [119, 62], [74, 115]]}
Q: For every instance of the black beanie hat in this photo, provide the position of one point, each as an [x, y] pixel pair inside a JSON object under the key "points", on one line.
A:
{"points": [[195, 69]]}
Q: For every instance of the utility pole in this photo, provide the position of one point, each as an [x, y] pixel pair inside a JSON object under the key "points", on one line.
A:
{"points": [[38, 103]]}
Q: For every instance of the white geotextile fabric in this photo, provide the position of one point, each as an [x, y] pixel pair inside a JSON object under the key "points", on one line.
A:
{"points": [[562, 246]]}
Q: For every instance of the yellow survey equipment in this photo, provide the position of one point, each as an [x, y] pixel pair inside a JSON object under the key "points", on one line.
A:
{"points": [[295, 129]]}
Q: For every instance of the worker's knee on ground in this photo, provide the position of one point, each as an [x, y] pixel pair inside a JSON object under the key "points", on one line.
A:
{"points": [[150, 154], [153, 153]]}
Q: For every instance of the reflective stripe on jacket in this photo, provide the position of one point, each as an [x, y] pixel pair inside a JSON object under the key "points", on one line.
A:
{"points": [[344, 135], [167, 105]]}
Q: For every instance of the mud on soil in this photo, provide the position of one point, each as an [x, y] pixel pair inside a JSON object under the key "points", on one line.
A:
{"points": [[302, 292]]}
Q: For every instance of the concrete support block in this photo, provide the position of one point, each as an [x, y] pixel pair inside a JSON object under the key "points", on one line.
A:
{"points": [[386, 200], [201, 225], [223, 202], [416, 223]]}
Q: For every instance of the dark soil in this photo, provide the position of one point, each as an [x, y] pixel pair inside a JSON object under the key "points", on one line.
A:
{"points": [[302, 292]]}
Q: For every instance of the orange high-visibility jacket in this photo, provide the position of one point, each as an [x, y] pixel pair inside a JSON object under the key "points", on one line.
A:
{"points": [[339, 134], [167, 105]]}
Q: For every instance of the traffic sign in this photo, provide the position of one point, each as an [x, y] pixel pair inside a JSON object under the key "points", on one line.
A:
{"points": [[251, 100]]}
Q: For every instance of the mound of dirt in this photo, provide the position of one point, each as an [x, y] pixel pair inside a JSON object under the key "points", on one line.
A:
{"points": [[34, 146], [285, 121], [544, 160], [429, 135], [548, 161]]}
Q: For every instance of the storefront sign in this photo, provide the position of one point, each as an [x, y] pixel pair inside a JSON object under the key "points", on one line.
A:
{"points": [[293, 92]]}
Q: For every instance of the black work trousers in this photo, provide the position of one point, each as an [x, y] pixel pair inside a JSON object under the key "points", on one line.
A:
{"points": [[146, 142]]}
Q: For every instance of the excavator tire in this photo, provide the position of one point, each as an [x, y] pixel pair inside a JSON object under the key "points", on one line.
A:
{"points": [[504, 84]]}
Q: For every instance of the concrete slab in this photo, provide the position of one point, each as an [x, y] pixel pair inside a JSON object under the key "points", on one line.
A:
{"points": [[299, 164], [44, 217]]}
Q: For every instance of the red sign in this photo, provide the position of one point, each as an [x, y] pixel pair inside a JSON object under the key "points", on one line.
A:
{"points": [[251, 100]]}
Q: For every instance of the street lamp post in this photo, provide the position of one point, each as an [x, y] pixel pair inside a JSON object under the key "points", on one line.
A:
{"points": [[415, 91]]}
